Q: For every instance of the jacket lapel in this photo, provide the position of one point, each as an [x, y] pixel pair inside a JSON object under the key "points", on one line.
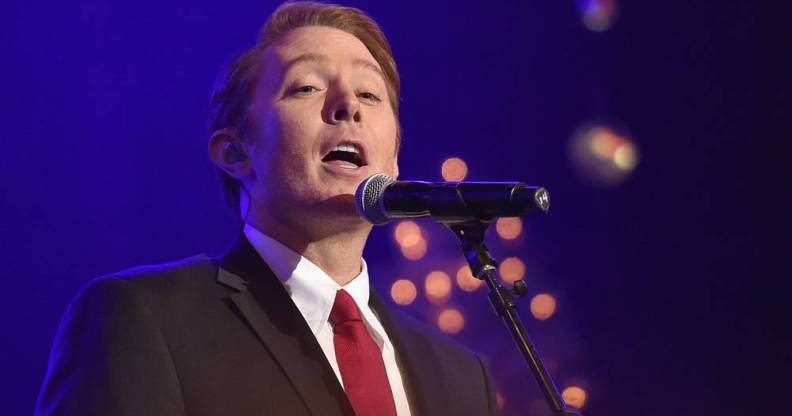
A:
{"points": [[418, 359], [264, 303]]}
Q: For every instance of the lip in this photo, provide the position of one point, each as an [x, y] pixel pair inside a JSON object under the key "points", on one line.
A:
{"points": [[346, 169], [359, 144]]}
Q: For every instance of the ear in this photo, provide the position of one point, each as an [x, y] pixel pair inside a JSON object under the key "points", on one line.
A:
{"points": [[218, 152]]}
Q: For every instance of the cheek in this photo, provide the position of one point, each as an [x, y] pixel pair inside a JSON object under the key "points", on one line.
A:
{"points": [[386, 131], [298, 126], [268, 145], [279, 134]]}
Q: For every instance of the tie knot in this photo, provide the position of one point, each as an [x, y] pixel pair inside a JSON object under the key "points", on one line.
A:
{"points": [[344, 309]]}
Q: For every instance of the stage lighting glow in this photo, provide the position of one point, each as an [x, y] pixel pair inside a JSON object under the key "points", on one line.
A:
{"points": [[416, 251], [465, 279], [625, 157], [407, 233], [403, 292], [597, 15], [511, 269], [438, 287], [509, 228], [602, 155], [543, 306], [454, 169], [450, 321], [603, 142], [574, 396], [500, 400]]}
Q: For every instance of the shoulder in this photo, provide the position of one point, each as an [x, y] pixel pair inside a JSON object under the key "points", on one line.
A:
{"points": [[192, 271], [115, 335], [434, 336], [188, 269], [156, 288], [415, 329], [445, 366]]}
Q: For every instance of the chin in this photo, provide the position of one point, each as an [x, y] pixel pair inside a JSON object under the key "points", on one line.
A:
{"points": [[338, 214], [342, 205]]}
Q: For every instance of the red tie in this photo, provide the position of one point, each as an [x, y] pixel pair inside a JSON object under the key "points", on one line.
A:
{"points": [[360, 361]]}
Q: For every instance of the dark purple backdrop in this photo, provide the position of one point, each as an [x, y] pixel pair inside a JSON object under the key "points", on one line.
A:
{"points": [[665, 304]]}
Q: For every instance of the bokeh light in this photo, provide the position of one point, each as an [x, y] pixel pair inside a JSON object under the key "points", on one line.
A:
{"points": [[500, 400], [509, 228], [438, 287], [403, 292], [454, 169], [511, 269], [574, 396], [465, 279], [415, 252], [450, 321], [407, 233], [543, 306], [410, 238], [625, 157], [602, 155], [597, 15]]}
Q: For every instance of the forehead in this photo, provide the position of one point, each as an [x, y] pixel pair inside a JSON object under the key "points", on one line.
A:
{"points": [[316, 44]]}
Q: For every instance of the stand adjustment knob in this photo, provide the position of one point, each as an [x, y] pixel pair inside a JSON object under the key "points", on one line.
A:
{"points": [[520, 288]]}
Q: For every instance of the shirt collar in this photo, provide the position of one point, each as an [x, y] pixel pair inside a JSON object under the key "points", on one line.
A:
{"points": [[312, 290]]}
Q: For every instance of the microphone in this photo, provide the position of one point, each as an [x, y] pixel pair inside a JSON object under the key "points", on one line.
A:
{"points": [[379, 199]]}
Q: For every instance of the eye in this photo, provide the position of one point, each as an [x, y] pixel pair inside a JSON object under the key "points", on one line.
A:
{"points": [[368, 96], [305, 90]]}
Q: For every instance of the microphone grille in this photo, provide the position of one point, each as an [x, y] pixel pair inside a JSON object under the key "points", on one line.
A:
{"points": [[368, 198]]}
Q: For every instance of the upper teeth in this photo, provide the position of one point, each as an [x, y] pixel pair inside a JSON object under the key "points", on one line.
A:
{"points": [[346, 148]]}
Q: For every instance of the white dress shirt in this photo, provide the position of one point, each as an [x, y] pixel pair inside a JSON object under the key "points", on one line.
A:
{"points": [[314, 291]]}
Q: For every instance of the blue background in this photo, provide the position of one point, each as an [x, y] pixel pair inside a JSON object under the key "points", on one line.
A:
{"points": [[669, 302]]}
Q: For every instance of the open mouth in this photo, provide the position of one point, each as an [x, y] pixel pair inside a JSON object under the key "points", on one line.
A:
{"points": [[348, 153]]}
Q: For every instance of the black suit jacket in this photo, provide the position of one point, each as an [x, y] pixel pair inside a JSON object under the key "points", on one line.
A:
{"points": [[222, 337]]}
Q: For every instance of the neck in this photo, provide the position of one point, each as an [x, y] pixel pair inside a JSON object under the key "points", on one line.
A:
{"points": [[336, 250]]}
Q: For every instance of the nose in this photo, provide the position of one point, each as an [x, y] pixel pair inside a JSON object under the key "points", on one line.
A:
{"points": [[342, 106]]}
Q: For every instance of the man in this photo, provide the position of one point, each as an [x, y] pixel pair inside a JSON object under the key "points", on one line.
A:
{"points": [[284, 323]]}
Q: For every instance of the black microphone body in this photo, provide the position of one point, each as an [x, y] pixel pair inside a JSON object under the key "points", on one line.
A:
{"points": [[380, 199]]}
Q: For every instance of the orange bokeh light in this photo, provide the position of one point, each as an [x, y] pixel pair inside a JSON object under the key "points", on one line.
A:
{"points": [[454, 169], [438, 286], [403, 292], [574, 396], [625, 157], [465, 279], [416, 251], [604, 142], [511, 269], [407, 233], [509, 228], [603, 154], [450, 321], [543, 306]]}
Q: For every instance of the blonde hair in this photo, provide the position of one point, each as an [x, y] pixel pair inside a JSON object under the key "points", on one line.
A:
{"points": [[234, 90]]}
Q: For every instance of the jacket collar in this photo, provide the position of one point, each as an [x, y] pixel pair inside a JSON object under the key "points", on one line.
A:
{"points": [[427, 388], [264, 304]]}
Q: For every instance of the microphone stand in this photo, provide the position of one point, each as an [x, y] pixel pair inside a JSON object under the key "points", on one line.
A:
{"points": [[483, 266]]}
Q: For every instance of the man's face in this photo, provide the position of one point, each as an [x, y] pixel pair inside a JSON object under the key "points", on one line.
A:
{"points": [[320, 89]]}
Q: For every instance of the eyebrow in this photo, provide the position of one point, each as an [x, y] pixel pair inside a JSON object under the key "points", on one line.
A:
{"points": [[323, 59]]}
